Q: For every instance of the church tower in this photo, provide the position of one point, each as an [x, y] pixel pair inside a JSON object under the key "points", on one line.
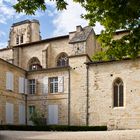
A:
{"points": [[24, 32]]}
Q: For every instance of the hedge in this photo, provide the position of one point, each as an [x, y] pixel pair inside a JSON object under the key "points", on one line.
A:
{"points": [[52, 128]]}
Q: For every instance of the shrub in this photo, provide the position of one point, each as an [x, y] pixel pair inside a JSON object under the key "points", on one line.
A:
{"points": [[52, 128]]}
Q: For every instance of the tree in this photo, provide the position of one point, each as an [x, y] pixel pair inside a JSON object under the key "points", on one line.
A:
{"points": [[38, 118], [116, 15], [112, 14]]}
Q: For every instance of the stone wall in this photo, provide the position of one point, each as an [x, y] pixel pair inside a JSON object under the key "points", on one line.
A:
{"points": [[41, 101], [7, 96], [78, 90], [101, 111], [6, 54], [52, 48]]}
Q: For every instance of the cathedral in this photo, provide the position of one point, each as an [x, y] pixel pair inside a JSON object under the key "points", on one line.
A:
{"points": [[57, 78]]}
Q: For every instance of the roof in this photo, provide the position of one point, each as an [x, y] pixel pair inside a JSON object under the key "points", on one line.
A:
{"points": [[4, 49], [42, 41], [109, 61], [4, 61], [24, 22], [82, 35]]}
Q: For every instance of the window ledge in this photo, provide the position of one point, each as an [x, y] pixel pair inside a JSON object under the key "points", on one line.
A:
{"points": [[115, 108]]}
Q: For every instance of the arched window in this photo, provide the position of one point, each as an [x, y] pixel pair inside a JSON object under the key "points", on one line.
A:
{"points": [[34, 64], [62, 60], [118, 93]]}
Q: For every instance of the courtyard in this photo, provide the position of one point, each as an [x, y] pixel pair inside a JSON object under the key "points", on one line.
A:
{"points": [[51, 135]]}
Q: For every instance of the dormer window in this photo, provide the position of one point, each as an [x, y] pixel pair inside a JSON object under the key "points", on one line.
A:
{"points": [[34, 64]]}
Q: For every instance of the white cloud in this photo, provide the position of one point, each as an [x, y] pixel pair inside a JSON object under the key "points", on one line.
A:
{"points": [[66, 20], [50, 3], [98, 28]]}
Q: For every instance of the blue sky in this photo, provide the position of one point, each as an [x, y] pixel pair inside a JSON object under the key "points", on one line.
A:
{"points": [[52, 22]]}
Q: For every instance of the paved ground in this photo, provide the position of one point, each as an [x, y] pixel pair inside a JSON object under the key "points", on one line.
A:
{"points": [[104, 135]]}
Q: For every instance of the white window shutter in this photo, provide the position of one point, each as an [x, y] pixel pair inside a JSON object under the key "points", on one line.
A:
{"points": [[21, 114], [9, 113], [52, 114], [45, 85], [26, 86], [60, 84], [9, 81], [21, 85]]}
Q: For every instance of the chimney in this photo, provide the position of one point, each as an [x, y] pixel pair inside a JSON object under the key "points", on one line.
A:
{"points": [[79, 28]]}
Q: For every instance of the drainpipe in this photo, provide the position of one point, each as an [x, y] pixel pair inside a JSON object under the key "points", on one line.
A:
{"points": [[87, 102], [69, 97], [26, 105], [26, 109]]}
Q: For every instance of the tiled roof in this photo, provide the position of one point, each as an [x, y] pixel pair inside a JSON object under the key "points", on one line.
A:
{"points": [[82, 35]]}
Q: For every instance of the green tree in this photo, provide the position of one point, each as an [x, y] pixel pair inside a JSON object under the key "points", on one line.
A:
{"points": [[112, 14], [38, 118]]}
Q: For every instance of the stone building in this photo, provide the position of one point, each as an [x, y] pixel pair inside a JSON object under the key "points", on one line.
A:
{"points": [[57, 77]]}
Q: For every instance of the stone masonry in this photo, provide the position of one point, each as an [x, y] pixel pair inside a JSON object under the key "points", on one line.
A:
{"points": [[83, 91]]}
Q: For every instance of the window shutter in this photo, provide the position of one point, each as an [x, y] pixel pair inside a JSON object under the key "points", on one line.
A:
{"points": [[45, 85], [25, 86], [60, 84], [21, 85], [9, 113], [52, 114], [21, 114], [9, 81]]}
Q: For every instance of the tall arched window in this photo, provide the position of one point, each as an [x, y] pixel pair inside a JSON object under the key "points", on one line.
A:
{"points": [[62, 60], [34, 64], [118, 93]]}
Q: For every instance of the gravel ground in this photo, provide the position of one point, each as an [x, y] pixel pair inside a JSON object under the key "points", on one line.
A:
{"points": [[96, 135]]}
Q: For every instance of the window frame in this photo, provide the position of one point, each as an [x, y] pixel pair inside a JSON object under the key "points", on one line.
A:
{"points": [[53, 85], [31, 109], [118, 96], [17, 40], [62, 60], [32, 86], [21, 39]]}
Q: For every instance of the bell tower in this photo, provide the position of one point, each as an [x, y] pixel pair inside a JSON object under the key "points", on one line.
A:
{"points": [[24, 32]]}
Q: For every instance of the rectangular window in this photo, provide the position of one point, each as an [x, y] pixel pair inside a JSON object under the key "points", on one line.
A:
{"points": [[32, 86], [9, 113], [21, 38], [21, 114], [53, 84], [21, 84], [31, 109], [9, 81], [17, 39]]}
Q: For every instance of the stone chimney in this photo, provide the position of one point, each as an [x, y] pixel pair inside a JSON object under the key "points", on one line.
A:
{"points": [[79, 28]]}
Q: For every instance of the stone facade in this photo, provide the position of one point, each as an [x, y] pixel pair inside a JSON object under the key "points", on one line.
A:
{"points": [[102, 76], [68, 88], [8, 96]]}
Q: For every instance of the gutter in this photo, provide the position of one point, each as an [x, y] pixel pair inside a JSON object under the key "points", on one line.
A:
{"points": [[69, 98], [87, 101]]}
